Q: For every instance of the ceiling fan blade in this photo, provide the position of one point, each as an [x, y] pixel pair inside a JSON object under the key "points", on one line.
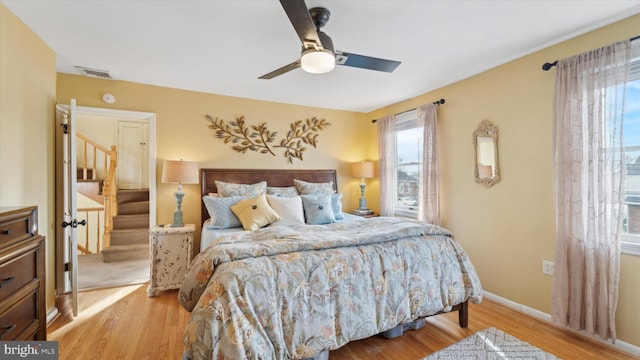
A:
{"points": [[294, 65], [365, 62], [301, 20]]}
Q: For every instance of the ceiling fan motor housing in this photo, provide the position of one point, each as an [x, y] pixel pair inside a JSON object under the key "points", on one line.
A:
{"points": [[326, 41], [320, 16]]}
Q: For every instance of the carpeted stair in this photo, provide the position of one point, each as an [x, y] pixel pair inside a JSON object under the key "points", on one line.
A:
{"points": [[130, 234]]}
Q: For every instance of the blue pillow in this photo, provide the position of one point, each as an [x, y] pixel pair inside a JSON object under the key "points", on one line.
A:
{"points": [[318, 209], [219, 209], [336, 206]]}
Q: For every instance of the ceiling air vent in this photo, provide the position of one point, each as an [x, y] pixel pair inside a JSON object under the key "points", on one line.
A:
{"points": [[95, 73]]}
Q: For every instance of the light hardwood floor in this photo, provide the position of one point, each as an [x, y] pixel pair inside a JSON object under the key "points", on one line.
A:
{"points": [[123, 323]]}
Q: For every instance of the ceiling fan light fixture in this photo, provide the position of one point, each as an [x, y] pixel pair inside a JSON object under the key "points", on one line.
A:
{"points": [[316, 61]]}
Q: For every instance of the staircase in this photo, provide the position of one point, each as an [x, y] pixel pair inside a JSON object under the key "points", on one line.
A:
{"points": [[88, 186], [126, 212], [130, 234]]}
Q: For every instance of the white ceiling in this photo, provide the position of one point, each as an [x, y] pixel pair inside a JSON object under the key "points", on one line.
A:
{"points": [[223, 46]]}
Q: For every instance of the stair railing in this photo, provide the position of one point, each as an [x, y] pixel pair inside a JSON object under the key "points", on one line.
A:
{"points": [[89, 162], [110, 192], [91, 153], [94, 231]]}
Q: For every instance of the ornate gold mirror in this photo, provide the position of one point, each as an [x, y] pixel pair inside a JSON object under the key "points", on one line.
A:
{"points": [[485, 142]]}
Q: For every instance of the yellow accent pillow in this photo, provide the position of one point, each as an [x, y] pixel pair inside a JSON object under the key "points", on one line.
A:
{"points": [[255, 212]]}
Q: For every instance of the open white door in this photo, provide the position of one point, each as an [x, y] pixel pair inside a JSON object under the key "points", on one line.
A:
{"points": [[66, 209]]}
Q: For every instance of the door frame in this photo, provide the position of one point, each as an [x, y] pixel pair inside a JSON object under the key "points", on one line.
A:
{"points": [[125, 115]]}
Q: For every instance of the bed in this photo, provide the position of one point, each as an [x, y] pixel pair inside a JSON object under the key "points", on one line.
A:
{"points": [[297, 291]]}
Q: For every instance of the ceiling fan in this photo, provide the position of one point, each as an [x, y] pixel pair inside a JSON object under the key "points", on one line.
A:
{"points": [[318, 54]]}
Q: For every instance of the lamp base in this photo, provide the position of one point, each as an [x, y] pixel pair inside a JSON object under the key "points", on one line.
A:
{"points": [[177, 219], [177, 215]]}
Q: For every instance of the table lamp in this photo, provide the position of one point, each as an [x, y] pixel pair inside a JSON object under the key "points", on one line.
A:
{"points": [[362, 170], [180, 172]]}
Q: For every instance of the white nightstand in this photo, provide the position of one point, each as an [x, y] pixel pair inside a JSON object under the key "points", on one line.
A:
{"points": [[171, 250]]}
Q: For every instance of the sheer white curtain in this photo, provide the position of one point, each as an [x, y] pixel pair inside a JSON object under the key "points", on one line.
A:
{"points": [[429, 206], [386, 162], [589, 175]]}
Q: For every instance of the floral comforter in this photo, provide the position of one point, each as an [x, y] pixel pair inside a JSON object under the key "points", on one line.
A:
{"points": [[292, 292]]}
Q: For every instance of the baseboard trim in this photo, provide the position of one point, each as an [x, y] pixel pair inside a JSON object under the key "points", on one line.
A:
{"points": [[619, 344], [52, 315]]}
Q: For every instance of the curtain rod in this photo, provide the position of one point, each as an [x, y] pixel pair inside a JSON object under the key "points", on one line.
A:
{"points": [[436, 103], [547, 66]]}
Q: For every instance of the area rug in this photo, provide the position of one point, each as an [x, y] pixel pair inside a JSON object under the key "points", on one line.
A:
{"points": [[93, 273], [490, 344]]}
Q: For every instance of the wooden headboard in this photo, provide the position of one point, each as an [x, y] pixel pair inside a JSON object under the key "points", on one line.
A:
{"points": [[277, 178]]}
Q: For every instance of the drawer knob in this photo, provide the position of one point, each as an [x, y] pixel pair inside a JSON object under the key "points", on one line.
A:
{"points": [[6, 330], [5, 282], [6, 231]]}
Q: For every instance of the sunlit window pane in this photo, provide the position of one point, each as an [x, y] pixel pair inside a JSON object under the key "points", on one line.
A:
{"points": [[631, 219], [408, 163]]}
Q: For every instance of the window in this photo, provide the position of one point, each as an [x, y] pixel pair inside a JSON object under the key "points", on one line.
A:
{"points": [[631, 219], [408, 164]]}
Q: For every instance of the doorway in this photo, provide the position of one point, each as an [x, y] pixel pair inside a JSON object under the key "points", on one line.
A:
{"points": [[105, 126]]}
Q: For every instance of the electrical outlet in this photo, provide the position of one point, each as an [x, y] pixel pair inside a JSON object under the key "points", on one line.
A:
{"points": [[547, 267]]}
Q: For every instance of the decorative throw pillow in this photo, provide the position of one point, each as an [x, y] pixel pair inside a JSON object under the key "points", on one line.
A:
{"points": [[317, 209], [288, 208], [226, 189], [255, 212], [286, 191], [307, 188], [219, 209], [336, 206]]}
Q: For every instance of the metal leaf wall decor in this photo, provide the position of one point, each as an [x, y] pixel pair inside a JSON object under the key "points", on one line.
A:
{"points": [[258, 138]]}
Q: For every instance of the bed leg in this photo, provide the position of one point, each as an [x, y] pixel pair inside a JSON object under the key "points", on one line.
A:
{"points": [[463, 314]]}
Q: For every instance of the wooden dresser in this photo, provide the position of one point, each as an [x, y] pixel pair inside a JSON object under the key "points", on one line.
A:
{"points": [[22, 276]]}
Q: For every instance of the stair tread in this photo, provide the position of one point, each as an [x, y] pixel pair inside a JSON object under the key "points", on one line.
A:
{"points": [[129, 216], [121, 247], [133, 207], [123, 199], [130, 230]]}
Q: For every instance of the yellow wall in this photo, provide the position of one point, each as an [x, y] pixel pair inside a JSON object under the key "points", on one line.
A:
{"points": [[27, 101], [183, 133], [510, 228]]}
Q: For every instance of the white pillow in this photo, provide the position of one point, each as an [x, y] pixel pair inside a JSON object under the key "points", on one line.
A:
{"points": [[289, 208]]}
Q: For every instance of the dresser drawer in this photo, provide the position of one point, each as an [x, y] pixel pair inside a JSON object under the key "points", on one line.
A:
{"points": [[17, 272], [18, 317], [15, 230]]}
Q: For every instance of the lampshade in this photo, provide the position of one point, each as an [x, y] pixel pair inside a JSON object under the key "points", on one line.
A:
{"points": [[317, 61], [362, 170], [178, 171]]}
